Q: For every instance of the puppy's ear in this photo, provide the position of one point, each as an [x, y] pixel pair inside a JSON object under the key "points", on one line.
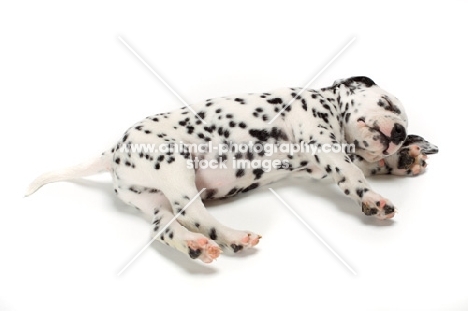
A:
{"points": [[426, 147], [365, 81]]}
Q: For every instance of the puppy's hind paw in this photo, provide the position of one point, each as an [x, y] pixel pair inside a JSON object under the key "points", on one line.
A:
{"points": [[203, 249]]}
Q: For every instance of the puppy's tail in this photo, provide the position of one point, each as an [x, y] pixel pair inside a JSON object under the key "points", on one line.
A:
{"points": [[90, 167]]}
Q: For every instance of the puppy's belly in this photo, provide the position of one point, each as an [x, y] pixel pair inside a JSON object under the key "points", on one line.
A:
{"points": [[229, 182]]}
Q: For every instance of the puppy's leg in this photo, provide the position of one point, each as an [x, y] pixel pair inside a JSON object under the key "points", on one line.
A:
{"points": [[172, 176], [166, 228], [353, 183], [196, 218]]}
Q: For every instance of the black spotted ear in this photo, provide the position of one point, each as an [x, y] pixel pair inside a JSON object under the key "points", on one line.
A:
{"points": [[361, 79], [426, 147], [367, 82]]}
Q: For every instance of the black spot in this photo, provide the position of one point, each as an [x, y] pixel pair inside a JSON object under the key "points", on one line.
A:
{"points": [[303, 163], [360, 192], [317, 158], [181, 211], [213, 234], [328, 169], [232, 123], [258, 172], [209, 129], [250, 187], [240, 173], [323, 115], [346, 191], [261, 135], [232, 191], [236, 248], [276, 133], [347, 117], [194, 254], [134, 190], [117, 160], [210, 193], [242, 125], [275, 101]]}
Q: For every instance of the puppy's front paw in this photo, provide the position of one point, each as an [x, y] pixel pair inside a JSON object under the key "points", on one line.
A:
{"points": [[374, 204], [411, 158]]}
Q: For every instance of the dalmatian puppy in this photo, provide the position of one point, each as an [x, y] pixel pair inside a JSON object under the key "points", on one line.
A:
{"points": [[169, 182]]}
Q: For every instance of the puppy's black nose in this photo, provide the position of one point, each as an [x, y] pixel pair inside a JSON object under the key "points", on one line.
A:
{"points": [[398, 134]]}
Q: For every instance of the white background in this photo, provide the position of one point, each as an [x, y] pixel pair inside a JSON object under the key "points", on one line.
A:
{"points": [[69, 88]]}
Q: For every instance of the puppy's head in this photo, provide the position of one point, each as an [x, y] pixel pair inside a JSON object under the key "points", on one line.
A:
{"points": [[374, 120]]}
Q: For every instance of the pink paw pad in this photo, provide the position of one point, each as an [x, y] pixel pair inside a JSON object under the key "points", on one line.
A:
{"points": [[203, 249], [248, 241]]}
